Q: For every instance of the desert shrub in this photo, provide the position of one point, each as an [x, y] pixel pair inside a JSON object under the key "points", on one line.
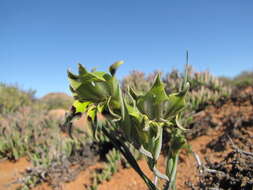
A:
{"points": [[12, 97], [227, 81], [138, 81], [30, 132], [16, 132], [57, 101], [58, 160], [111, 167], [33, 133], [204, 87], [21, 131], [173, 81], [244, 79]]}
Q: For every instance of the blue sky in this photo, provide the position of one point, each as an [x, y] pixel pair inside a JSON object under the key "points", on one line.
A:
{"points": [[41, 39]]}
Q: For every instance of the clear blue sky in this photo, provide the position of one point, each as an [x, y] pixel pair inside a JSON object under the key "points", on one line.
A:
{"points": [[41, 39]]}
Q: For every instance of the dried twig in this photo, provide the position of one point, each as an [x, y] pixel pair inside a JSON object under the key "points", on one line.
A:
{"points": [[238, 149], [202, 168]]}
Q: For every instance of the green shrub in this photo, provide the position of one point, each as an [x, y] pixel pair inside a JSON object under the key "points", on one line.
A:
{"points": [[206, 88], [30, 133], [138, 81], [227, 81], [244, 79], [12, 97], [21, 131], [111, 167], [57, 101]]}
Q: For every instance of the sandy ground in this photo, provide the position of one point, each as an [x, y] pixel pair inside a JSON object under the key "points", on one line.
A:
{"points": [[10, 172]]}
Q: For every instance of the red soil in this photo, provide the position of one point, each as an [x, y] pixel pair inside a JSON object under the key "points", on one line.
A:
{"points": [[10, 172], [84, 178], [128, 179]]}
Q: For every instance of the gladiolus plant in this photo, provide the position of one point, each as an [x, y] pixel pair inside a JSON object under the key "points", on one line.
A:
{"points": [[138, 119]]}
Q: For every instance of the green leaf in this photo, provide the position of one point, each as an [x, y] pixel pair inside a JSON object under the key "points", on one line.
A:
{"points": [[15, 154]]}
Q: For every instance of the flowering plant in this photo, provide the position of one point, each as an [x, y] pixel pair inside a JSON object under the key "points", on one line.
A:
{"points": [[139, 119]]}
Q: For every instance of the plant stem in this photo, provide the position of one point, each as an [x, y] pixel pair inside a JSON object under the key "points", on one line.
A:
{"points": [[129, 157], [172, 170]]}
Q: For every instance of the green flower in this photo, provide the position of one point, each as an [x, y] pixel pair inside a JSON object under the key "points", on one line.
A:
{"points": [[96, 91], [145, 117], [157, 105]]}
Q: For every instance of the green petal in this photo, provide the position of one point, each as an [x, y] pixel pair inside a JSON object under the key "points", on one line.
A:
{"points": [[91, 113], [81, 106], [72, 76], [133, 94], [113, 68], [81, 69], [75, 84], [101, 107], [174, 105], [151, 104]]}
